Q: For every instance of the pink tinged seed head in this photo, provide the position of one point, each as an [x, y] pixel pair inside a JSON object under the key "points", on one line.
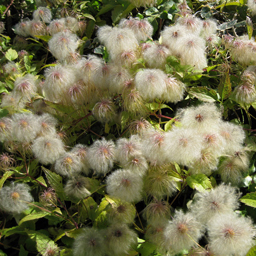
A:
{"points": [[229, 233], [126, 182], [23, 123], [15, 195], [182, 228]]}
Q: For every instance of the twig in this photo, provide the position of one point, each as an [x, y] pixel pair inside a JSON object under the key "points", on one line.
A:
{"points": [[6, 10]]}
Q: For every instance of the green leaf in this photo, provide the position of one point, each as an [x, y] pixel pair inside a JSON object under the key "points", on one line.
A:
{"points": [[249, 199], [105, 9], [41, 180], [249, 26], [225, 87], [88, 16], [199, 182], [42, 241], [156, 106], [3, 253], [89, 207], [168, 125], [203, 94], [33, 216], [55, 180], [11, 55], [125, 116], [252, 251], [44, 38], [227, 4], [22, 252], [5, 177], [146, 249]]}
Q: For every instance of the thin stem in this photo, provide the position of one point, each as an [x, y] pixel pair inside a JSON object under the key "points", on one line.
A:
{"points": [[15, 248], [140, 221], [68, 213]]}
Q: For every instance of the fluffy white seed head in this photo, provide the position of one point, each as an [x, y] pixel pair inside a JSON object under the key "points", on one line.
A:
{"points": [[156, 211], [13, 102], [171, 35], [183, 146], [56, 26], [252, 6], [150, 83], [219, 200], [155, 56], [58, 79], [158, 182], [101, 155], [25, 86], [90, 242], [68, 164], [81, 151], [5, 129], [15, 198], [126, 185], [104, 111], [182, 232], [174, 90], [233, 168], [153, 146], [48, 124], [72, 24], [118, 77], [25, 127], [233, 136], [141, 28], [22, 28], [191, 51], [37, 28], [209, 28], [191, 24], [127, 148], [42, 14], [204, 118], [47, 149], [207, 162], [78, 187], [63, 44], [121, 212], [120, 239], [230, 235], [11, 68], [117, 40]]}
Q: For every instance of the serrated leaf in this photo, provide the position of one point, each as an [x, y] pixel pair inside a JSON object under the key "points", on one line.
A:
{"points": [[11, 55], [203, 94], [252, 251], [55, 180], [5, 177], [42, 240], [249, 199], [33, 216], [199, 182]]}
